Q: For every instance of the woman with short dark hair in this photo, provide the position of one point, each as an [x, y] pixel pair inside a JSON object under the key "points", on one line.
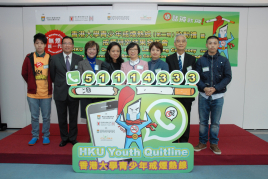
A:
{"points": [[92, 64], [134, 63], [156, 64]]}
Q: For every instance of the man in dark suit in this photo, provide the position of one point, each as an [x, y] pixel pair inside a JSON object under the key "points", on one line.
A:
{"points": [[183, 62], [59, 65]]}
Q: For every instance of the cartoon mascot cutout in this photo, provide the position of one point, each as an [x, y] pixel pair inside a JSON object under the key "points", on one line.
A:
{"points": [[133, 123]]}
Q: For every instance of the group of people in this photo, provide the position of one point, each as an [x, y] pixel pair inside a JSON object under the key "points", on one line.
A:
{"points": [[39, 70]]}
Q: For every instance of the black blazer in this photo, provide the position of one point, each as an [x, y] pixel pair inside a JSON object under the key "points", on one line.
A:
{"points": [[108, 67], [58, 74], [173, 64]]}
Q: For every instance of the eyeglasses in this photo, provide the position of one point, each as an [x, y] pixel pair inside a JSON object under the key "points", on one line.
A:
{"points": [[178, 41], [133, 50], [67, 44]]}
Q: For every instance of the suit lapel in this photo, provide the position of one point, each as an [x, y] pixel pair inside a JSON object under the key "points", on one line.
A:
{"points": [[88, 66], [73, 62], [61, 60], [185, 64], [175, 61]]}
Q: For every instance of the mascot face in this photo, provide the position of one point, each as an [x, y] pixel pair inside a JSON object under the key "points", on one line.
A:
{"points": [[223, 31], [134, 110]]}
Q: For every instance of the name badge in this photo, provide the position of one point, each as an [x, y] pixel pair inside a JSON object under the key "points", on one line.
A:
{"points": [[75, 67], [96, 67], [189, 68], [45, 66], [140, 67], [205, 69], [157, 70]]}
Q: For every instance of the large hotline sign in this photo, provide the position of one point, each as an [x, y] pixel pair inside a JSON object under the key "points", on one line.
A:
{"points": [[134, 130], [196, 26]]}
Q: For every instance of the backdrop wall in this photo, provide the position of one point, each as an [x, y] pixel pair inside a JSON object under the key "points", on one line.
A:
{"points": [[245, 100]]}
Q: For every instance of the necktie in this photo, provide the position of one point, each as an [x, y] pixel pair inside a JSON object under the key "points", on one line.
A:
{"points": [[67, 63], [180, 63]]}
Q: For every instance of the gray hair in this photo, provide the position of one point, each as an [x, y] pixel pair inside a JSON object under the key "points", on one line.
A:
{"points": [[178, 36]]}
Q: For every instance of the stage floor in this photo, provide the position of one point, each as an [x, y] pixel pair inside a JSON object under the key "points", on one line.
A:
{"points": [[238, 147]]}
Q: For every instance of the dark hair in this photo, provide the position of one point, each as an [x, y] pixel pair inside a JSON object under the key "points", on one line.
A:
{"points": [[41, 37], [107, 55], [131, 45], [67, 37], [157, 45], [212, 37], [90, 44]]}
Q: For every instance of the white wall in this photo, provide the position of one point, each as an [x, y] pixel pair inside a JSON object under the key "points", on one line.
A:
{"points": [[256, 98], [240, 107]]}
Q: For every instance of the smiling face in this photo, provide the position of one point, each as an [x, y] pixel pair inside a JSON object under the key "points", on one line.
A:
{"points": [[180, 43], [133, 53], [92, 51], [212, 45], [114, 53], [67, 46], [39, 46], [155, 53]]}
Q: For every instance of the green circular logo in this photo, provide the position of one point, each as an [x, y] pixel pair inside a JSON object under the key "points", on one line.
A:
{"points": [[176, 77], [118, 77], [147, 77], [133, 77], [162, 78], [192, 77], [88, 78], [102, 77]]}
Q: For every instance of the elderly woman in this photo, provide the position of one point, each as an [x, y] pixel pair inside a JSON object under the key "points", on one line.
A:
{"points": [[134, 63], [92, 64], [156, 64], [113, 58]]}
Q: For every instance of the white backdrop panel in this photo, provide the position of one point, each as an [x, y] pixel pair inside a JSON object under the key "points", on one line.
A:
{"points": [[12, 91], [256, 98]]}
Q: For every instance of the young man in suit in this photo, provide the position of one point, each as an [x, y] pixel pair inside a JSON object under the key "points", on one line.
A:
{"points": [[59, 65], [183, 62]]}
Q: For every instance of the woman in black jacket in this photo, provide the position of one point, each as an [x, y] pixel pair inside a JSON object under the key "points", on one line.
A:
{"points": [[113, 58]]}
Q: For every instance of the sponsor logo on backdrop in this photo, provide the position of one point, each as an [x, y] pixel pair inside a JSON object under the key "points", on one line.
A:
{"points": [[167, 16], [98, 116], [43, 18], [52, 18], [81, 18], [105, 123], [146, 18], [105, 131], [54, 38], [117, 18], [106, 138]]}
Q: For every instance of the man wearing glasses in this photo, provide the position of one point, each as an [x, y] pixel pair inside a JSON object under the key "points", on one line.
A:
{"points": [[184, 62], [59, 65]]}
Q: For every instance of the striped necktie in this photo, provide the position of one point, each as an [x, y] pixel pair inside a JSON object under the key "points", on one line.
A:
{"points": [[68, 66], [180, 63]]}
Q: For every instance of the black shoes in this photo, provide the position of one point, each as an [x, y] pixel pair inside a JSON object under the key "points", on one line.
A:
{"points": [[63, 143], [73, 141]]}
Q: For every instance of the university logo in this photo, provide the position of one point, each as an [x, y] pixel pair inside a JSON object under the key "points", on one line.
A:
{"points": [[71, 18], [91, 18], [108, 17], [43, 18], [98, 116], [167, 16]]}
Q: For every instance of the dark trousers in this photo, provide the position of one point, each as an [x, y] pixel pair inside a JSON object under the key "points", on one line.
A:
{"points": [[188, 106], [72, 107]]}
